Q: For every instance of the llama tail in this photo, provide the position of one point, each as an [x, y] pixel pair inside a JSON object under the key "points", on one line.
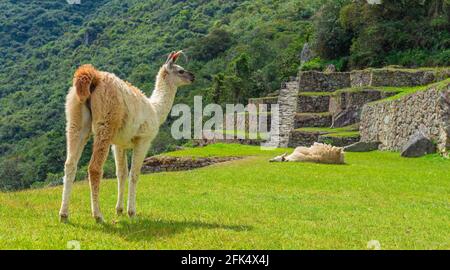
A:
{"points": [[85, 80]]}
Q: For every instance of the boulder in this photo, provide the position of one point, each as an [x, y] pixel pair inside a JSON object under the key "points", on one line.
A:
{"points": [[346, 117], [330, 68], [362, 147], [417, 146]]}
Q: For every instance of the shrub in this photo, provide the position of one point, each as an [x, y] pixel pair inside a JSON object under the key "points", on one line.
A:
{"points": [[314, 64]]}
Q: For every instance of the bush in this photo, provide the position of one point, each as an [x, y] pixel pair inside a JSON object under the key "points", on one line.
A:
{"points": [[211, 45], [314, 64]]}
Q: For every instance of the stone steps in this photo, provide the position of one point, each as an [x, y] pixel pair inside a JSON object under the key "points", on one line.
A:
{"points": [[323, 119]]}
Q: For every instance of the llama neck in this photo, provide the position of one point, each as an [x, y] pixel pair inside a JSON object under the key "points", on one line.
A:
{"points": [[163, 95]]}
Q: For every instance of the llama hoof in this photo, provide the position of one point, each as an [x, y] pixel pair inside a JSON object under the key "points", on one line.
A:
{"points": [[99, 220], [131, 213], [63, 218], [119, 211]]}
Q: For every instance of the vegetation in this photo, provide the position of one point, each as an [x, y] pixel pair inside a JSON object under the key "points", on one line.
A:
{"points": [[358, 34], [251, 204], [403, 91]]}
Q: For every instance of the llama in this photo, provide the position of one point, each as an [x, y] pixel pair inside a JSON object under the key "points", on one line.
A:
{"points": [[318, 152], [117, 114]]}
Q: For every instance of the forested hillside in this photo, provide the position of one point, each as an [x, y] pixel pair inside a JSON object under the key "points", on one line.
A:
{"points": [[238, 49]]}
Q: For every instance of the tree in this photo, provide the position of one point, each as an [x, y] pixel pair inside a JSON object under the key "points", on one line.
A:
{"points": [[211, 45], [331, 40]]}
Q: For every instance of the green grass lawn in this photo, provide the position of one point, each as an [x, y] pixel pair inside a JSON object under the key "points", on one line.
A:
{"points": [[251, 204], [347, 131]]}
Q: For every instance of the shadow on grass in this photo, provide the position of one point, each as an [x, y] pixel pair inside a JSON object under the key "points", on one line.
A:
{"points": [[145, 229]]}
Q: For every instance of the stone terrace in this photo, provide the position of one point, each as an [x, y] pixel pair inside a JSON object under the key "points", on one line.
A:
{"points": [[326, 107]]}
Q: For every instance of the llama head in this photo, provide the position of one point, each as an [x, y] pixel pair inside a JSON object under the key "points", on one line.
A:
{"points": [[281, 158], [175, 73]]}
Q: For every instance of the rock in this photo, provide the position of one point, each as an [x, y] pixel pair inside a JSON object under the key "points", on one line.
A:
{"points": [[169, 164], [306, 54], [362, 147], [417, 146], [346, 117], [330, 68]]}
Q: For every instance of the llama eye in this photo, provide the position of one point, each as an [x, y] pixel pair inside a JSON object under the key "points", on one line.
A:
{"points": [[181, 71]]}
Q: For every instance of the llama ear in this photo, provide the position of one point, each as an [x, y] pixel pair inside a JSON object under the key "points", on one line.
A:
{"points": [[176, 55], [173, 56], [170, 58]]}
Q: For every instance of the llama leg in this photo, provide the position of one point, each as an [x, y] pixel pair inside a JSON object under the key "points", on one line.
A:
{"points": [[139, 152], [120, 157], [100, 153], [78, 131]]}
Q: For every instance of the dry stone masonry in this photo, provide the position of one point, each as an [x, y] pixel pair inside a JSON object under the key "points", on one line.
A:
{"points": [[393, 122], [170, 164]]}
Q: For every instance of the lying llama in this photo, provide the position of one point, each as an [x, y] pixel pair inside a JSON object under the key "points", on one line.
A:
{"points": [[318, 152], [117, 114]]}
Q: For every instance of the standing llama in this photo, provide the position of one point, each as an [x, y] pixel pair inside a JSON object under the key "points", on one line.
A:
{"points": [[118, 114]]}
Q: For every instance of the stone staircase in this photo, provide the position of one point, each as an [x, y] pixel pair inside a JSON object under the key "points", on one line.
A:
{"points": [[313, 119]]}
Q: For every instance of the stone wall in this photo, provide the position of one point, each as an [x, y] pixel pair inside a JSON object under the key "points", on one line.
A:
{"points": [[338, 141], [314, 81], [397, 77], [345, 106], [300, 138], [284, 123], [313, 104], [393, 122], [312, 120], [169, 164], [360, 78]]}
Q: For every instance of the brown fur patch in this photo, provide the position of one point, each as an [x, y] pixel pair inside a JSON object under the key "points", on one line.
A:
{"points": [[164, 74], [85, 79]]}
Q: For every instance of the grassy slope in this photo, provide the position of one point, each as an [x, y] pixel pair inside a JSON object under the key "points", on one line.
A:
{"points": [[251, 204], [404, 91]]}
